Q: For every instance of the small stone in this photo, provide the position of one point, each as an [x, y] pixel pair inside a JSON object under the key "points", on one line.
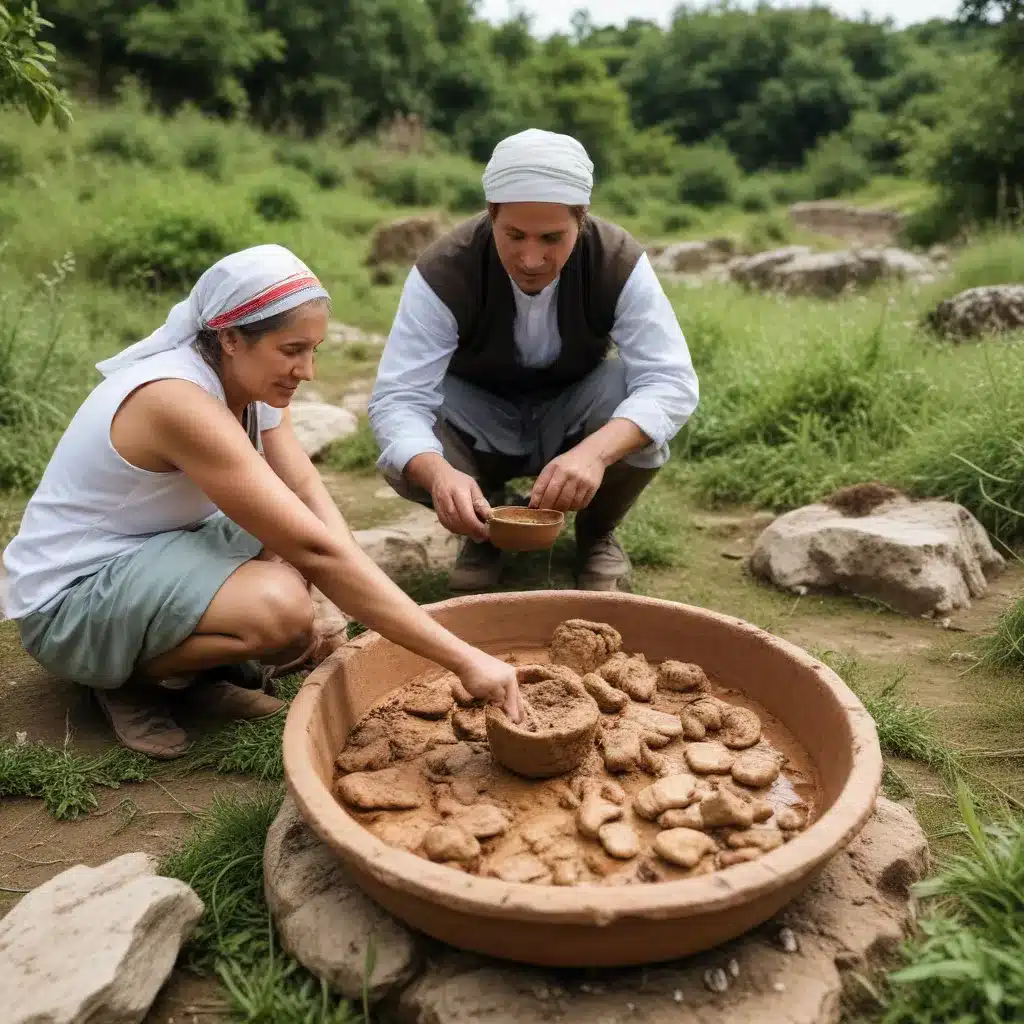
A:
{"points": [[734, 968], [448, 842], [20, 739], [681, 676], [677, 996], [431, 702], [619, 840], [709, 758], [609, 700], [788, 941], [666, 794], [484, 821], [778, 986], [716, 980], [757, 768], [94, 943], [386, 790], [683, 847]]}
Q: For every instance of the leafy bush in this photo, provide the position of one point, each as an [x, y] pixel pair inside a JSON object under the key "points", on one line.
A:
{"points": [[408, 183], [329, 176], [164, 247], [755, 197], [295, 156], [12, 162], [769, 231], [206, 155], [835, 168], [679, 218], [621, 196], [124, 142], [276, 204], [707, 176], [467, 197]]}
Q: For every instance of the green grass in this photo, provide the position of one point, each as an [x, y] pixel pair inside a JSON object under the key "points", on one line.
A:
{"points": [[222, 861], [357, 453], [1003, 651], [965, 964], [64, 779]]}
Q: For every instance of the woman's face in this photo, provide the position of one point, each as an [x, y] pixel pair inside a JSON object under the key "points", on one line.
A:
{"points": [[271, 369]]}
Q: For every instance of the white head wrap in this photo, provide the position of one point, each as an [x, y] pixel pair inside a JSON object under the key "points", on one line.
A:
{"points": [[244, 287], [539, 167]]}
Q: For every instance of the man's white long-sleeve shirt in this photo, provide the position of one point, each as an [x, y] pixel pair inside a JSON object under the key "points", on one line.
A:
{"points": [[662, 389]]}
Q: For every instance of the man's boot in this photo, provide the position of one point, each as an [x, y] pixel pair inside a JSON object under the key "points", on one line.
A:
{"points": [[140, 716], [601, 562]]}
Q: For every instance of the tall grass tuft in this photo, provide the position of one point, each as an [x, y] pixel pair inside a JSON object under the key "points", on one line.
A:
{"points": [[965, 965], [222, 861], [1003, 651]]}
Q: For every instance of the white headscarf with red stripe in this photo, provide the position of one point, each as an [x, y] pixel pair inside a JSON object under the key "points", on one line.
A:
{"points": [[244, 287]]}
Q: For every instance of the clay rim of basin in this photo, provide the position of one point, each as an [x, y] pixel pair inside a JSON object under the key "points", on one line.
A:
{"points": [[516, 515], [405, 872]]}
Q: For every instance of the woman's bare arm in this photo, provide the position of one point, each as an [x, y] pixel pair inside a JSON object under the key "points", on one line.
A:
{"points": [[198, 435]]}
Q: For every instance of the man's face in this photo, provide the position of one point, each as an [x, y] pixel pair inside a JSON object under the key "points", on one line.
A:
{"points": [[534, 241]]}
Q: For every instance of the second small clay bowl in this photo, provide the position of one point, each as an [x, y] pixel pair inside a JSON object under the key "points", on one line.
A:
{"points": [[545, 753], [514, 528]]}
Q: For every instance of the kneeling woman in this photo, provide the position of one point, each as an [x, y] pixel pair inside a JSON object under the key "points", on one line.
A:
{"points": [[179, 523]]}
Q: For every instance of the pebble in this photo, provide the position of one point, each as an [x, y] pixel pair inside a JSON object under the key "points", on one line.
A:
{"points": [[788, 941], [779, 986], [734, 968], [716, 980], [678, 995]]}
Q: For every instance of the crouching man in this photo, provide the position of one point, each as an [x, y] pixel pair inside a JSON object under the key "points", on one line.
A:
{"points": [[534, 340]]}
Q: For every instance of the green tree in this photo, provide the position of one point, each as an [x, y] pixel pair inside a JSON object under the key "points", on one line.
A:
{"points": [[25, 65]]}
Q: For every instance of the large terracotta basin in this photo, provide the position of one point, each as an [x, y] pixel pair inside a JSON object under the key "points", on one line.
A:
{"points": [[589, 925]]}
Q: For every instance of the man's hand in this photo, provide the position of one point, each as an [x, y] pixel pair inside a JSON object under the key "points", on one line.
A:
{"points": [[460, 504], [569, 482], [487, 678]]}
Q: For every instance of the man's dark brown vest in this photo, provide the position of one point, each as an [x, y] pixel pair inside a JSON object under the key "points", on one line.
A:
{"points": [[464, 271]]}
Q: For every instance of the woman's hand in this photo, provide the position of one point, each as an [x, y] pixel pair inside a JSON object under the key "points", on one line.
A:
{"points": [[487, 678]]}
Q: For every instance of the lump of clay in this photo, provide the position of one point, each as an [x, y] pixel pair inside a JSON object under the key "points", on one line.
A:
{"points": [[631, 675], [726, 809], [681, 676], [609, 700], [484, 821], [527, 674], [431, 702], [521, 867], [683, 846], [684, 817], [594, 812], [371, 758], [449, 842], [756, 768], [727, 858], [707, 711], [791, 819], [470, 724], [657, 722], [621, 749], [763, 811], [763, 839], [565, 872], [386, 790], [664, 795], [741, 728], [653, 763], [584, 646], [449, 759], [619, 840], [693, 727], [709, 758]]}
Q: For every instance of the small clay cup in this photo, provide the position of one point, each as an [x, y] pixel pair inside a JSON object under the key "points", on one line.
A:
{"points": [[545, 753], [514, 528]]}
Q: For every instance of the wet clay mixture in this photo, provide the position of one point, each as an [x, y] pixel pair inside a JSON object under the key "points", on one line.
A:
{"points": [[681, 777]]}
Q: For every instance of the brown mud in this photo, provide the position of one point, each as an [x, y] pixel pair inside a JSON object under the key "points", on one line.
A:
{"points": [[645, 804]]}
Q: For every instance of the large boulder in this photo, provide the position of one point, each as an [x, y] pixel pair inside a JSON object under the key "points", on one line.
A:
{"points": [[401, 242], [693, 257], [979, 311], [796, 270], [844, 220], [926, 558], [94, 944]]}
